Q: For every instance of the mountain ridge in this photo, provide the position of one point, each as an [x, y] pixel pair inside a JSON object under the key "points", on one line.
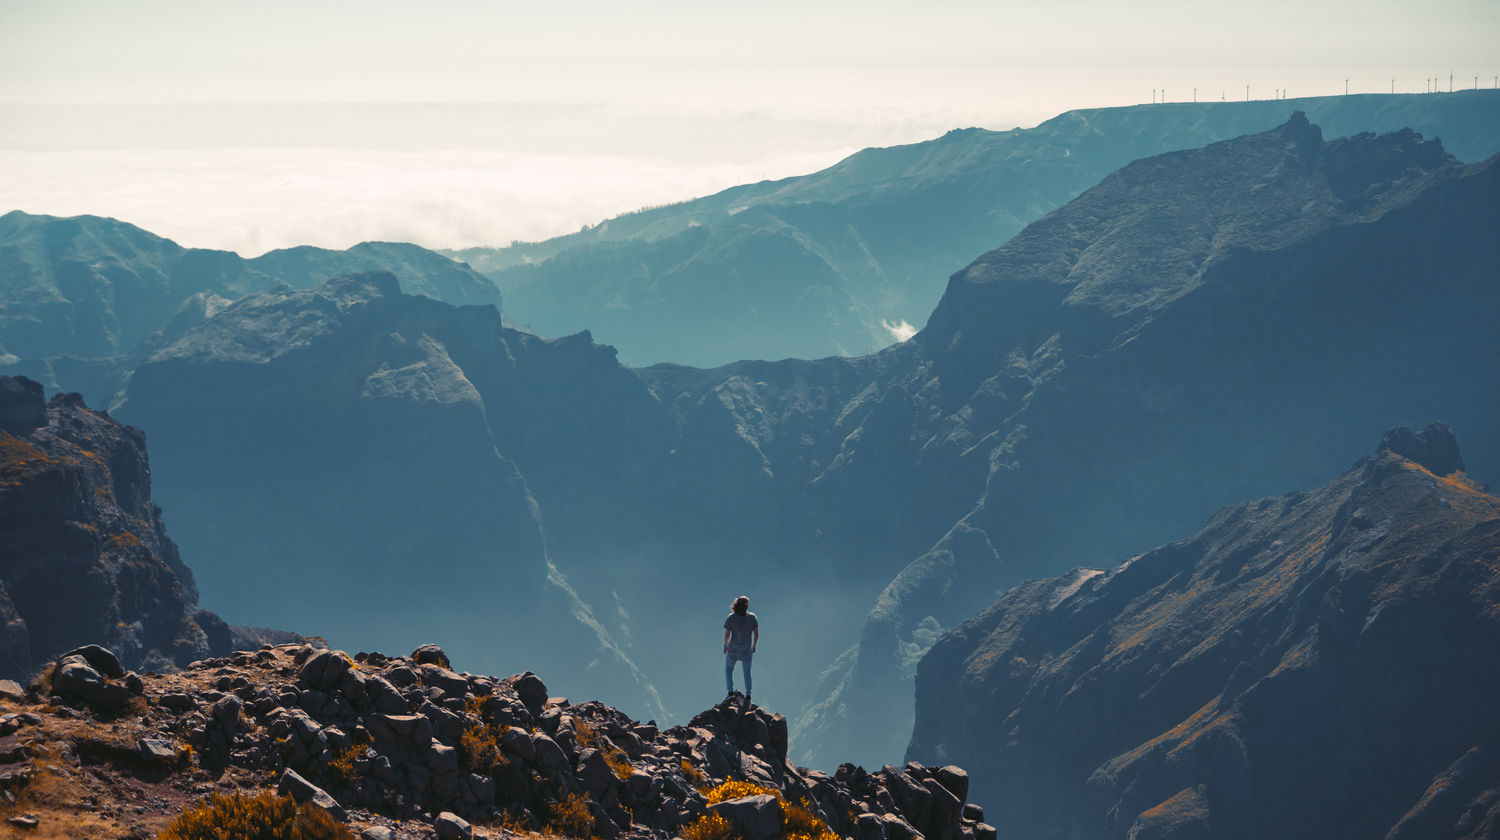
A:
{"points": [[1290, 644], [866, 243]]}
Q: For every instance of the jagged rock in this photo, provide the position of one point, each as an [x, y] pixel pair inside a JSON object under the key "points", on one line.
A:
{"points": [[386, 698], [378, 832], [754, 817], [75, 679], [300, 789], [441, 758], [593, 773], [532, 691], [450, 826], [99, 658], [226, 713], [520, 744], [451, 684], [1435, 447], [324, 671], [869, 827], [410, 731], [12, 691], [956, 780], [899, 829], [157, 751], [549, 755], [430, 655]]}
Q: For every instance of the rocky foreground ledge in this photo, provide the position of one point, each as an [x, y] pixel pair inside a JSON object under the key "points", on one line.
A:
{"points": [[404, 747]]}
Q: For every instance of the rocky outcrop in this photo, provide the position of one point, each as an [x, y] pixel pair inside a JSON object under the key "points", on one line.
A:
{"points": [[1303, 667], [83, 552], [385, 743]]}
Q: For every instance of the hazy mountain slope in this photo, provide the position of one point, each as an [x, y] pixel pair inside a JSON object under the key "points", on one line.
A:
{"points": [[79, 296], [331, 455], [1112, 406], [1305, 666], [819, 264]]}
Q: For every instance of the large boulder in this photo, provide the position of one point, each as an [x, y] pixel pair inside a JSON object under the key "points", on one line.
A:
{"points": [[753, 817]]}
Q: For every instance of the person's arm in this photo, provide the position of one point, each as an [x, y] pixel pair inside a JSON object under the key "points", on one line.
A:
{"points": [[754, 638], [726, 640]]}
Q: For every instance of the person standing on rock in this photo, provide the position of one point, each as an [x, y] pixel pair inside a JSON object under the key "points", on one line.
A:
{"points": [[741, 635]]}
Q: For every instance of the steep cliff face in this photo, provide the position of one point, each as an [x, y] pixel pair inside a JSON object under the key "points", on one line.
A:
{"points": [[83, 553], [1307, 666]]}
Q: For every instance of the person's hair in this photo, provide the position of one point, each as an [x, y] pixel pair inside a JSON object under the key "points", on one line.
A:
{"points": [[741, 605]]}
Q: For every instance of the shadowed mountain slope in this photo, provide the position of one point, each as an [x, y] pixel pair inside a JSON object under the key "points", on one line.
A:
{"points": [[1307, 666], [823, 264]]}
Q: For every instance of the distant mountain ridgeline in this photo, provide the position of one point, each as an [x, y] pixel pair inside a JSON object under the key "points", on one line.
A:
{"points": [[1203, 327], [828, 263], [85, 297], [1308, 666]]}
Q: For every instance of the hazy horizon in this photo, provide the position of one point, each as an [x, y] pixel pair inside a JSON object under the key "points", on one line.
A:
{"points": [[259, 126]]}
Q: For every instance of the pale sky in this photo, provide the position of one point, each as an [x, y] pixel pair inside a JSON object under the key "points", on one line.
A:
{"points": [[559, 114]]}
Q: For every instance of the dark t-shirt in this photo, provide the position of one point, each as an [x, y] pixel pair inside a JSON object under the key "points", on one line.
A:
{"points": [[739, 627]]}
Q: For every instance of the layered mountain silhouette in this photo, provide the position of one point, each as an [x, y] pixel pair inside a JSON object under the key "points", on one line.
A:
{"points": [[833, 263], [1314, 665], [1203, 327], [85, 297]]}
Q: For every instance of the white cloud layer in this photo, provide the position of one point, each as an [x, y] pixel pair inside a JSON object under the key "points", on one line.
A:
{"points": [[255, 200]]}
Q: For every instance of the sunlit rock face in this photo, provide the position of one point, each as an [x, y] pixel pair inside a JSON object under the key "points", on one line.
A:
{"points": [[1305, 666]]}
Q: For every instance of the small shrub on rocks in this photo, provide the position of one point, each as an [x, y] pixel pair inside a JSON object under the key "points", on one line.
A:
{"points": [[709, 827], [571, 818], [800, 821], [479, 747], [732, 789], [268, 816]]}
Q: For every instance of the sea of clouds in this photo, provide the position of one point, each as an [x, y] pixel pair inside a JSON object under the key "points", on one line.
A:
{"points": [[252, 178]]}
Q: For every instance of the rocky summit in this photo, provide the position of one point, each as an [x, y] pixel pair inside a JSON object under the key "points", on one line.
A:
{"points": [[1316, 665], [405, 747]]}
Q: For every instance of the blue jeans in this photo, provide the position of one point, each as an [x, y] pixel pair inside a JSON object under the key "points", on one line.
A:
{"points": [[744, 657]]}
